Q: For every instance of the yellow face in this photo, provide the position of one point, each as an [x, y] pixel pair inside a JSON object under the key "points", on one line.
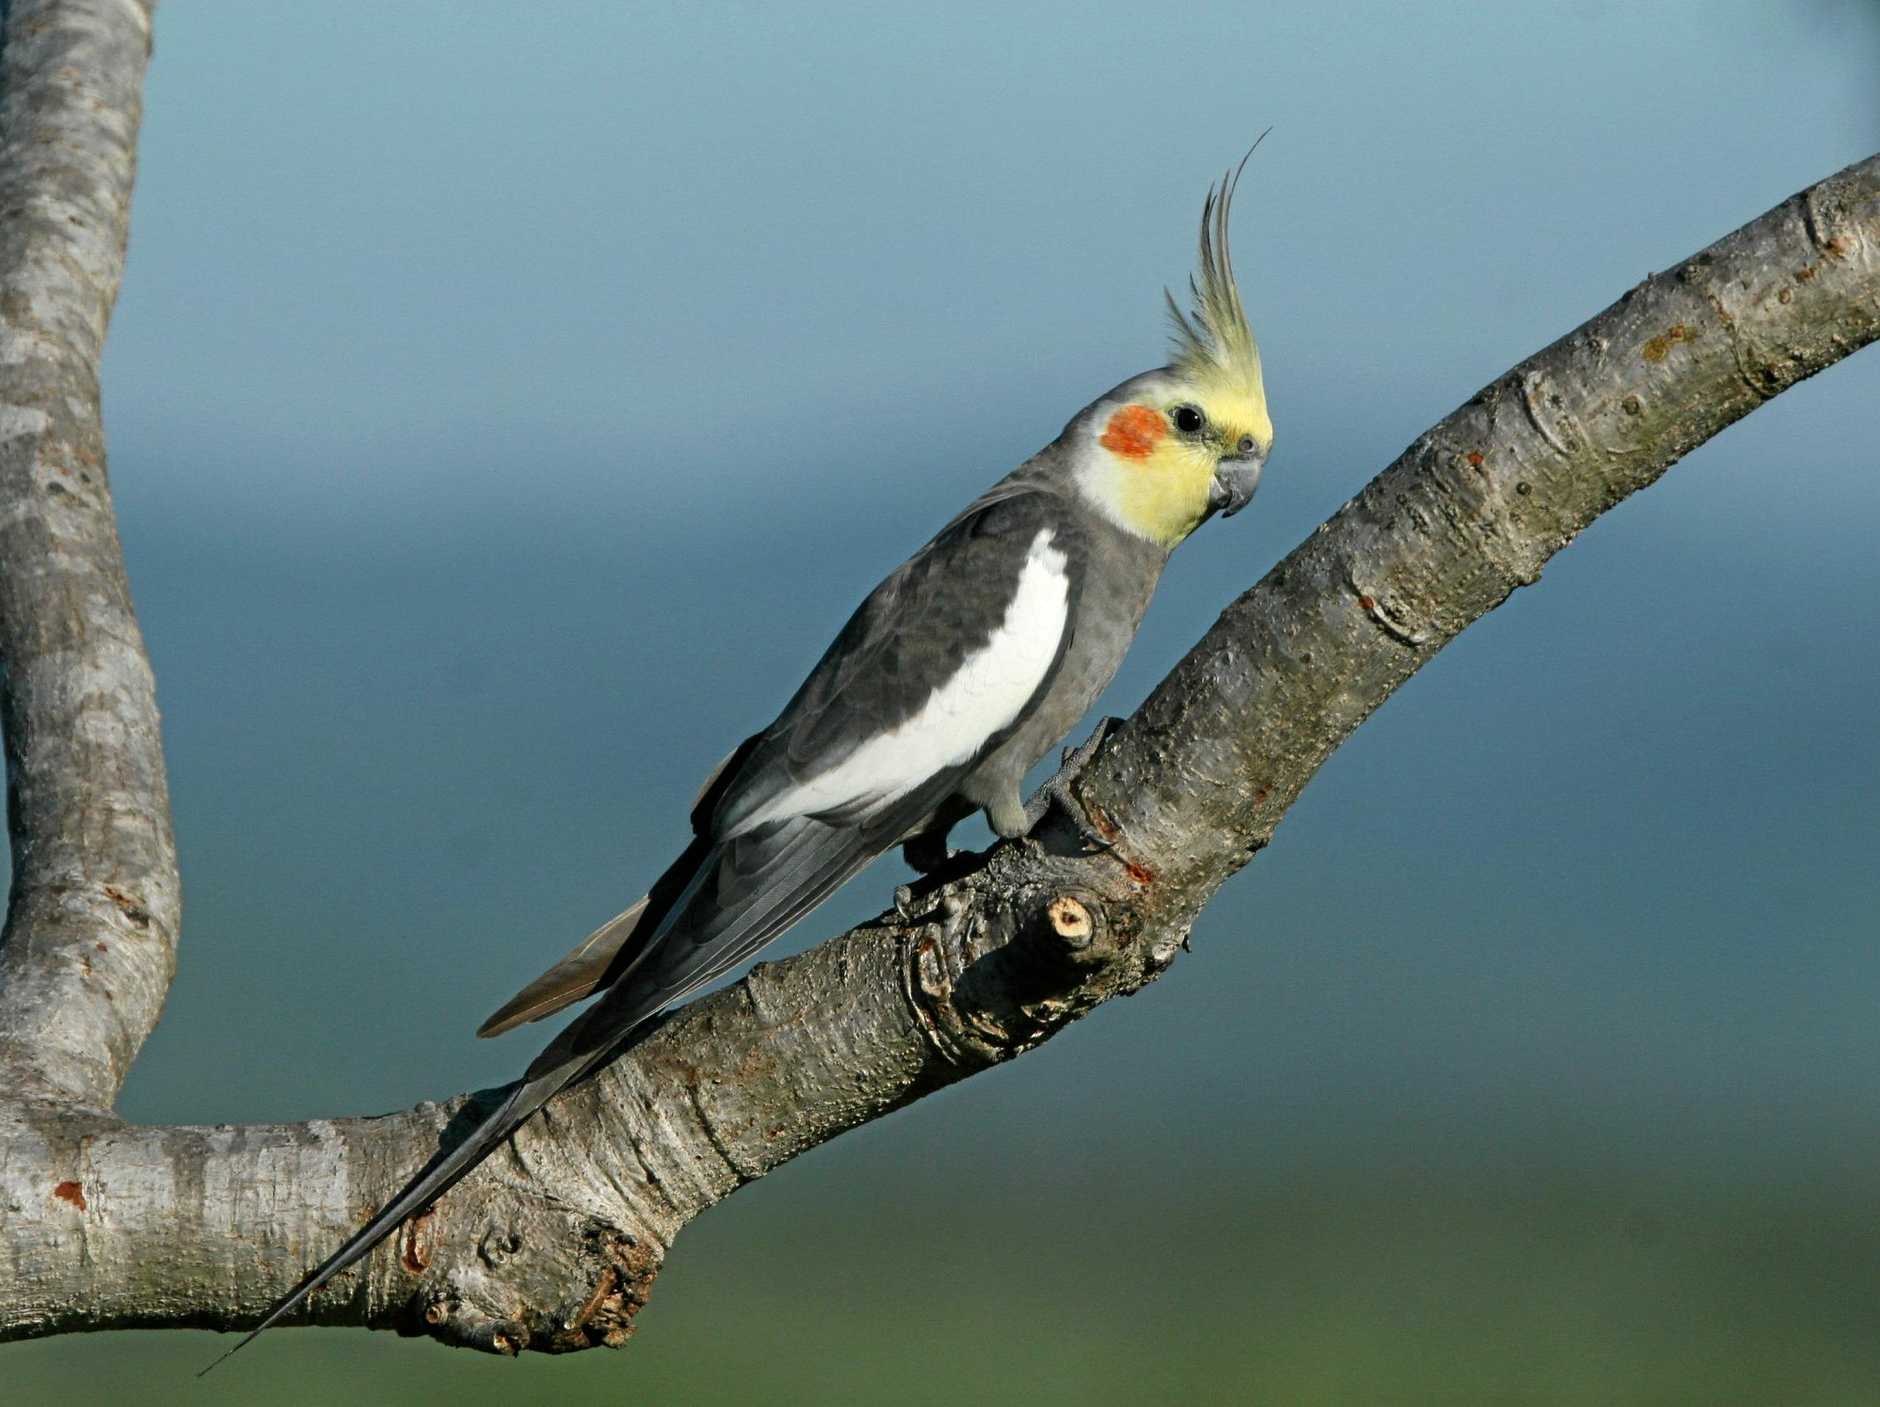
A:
{"points": [[1164, 447]]}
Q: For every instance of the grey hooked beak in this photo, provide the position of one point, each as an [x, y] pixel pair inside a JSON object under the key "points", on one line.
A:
{"points": [[1235, 479]]}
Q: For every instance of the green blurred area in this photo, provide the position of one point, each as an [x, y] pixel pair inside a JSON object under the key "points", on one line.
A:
{"points": [[1366, 1287]]}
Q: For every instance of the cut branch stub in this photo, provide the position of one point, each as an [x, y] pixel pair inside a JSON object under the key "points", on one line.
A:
{"points": [[1073, 923]]}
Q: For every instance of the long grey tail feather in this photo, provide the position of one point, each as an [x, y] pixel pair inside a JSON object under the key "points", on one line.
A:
{"points": [[815, 860], [435, 1179]]}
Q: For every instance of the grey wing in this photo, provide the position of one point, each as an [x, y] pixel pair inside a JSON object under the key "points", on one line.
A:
{"points": [[798, 811], [748, 876], [906, 642]]}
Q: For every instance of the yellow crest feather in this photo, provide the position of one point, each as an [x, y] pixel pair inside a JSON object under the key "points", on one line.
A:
{"points": [[1213, 342]]}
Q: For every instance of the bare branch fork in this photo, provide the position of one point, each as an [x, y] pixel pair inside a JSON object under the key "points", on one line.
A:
{"points": [[555, 1243]]}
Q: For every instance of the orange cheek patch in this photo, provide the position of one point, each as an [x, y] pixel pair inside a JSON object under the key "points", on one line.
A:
{"points": [[1133, 431]]}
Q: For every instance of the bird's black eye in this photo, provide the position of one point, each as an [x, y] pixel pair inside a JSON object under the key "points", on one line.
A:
{"points": [[1246, 444], [1187, 419]]}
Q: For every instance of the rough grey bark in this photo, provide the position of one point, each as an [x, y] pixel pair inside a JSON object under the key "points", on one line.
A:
{"points": [[554, 1244], [90, 940]]}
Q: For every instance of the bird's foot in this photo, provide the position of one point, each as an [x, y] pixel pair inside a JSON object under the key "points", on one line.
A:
{"points": [[1057, 793]]}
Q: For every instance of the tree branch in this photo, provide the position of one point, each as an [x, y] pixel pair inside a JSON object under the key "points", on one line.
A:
{"points": [[90, 941], [555, 1243]]}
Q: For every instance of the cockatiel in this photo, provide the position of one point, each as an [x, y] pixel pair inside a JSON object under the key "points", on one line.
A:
{"points": [[959, 672]]}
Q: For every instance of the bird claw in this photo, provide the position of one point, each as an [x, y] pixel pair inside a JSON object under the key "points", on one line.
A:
{"points": [[1057, 792]]}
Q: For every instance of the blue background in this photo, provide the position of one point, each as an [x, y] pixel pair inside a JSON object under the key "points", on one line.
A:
{"points": [[506, 405]]}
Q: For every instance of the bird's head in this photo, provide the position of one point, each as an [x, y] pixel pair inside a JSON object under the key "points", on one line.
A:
{"points": [[1168, 449]]}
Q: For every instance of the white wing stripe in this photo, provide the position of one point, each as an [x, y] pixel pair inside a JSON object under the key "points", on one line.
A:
{"points": [[986, 694]]}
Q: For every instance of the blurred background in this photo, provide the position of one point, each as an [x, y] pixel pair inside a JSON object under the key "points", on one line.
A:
{"points": [[506, 406]]}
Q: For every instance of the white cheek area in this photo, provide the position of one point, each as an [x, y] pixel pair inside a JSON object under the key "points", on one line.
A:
{"points": [[1099, 480], [985, 695]]}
